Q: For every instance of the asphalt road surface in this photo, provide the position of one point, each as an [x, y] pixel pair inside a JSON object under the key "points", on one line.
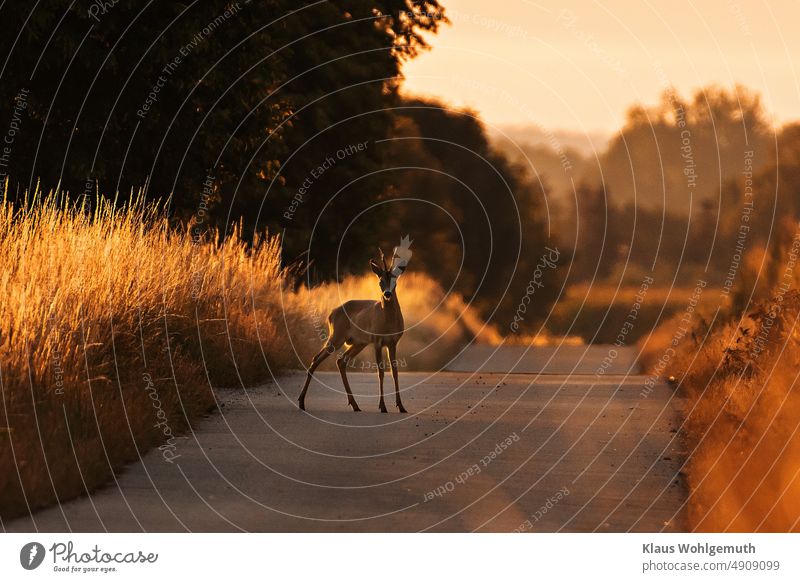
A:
{"points": [[514, 440]]}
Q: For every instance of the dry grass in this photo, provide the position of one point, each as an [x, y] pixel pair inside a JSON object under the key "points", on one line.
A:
{"points": [[104, 350], [604, 294], [742, 413], [114, 328], [596, 313]]}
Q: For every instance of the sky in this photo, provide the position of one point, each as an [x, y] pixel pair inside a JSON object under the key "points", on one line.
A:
{"points": [[578, 66]]}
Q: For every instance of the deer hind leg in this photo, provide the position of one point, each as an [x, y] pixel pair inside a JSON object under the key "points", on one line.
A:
{"points": [[318, 359], [393, 362], [379, 362], [341, 363]]}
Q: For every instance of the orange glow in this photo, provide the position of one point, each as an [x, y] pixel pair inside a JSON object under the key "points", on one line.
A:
{"points": [[579, 65]]}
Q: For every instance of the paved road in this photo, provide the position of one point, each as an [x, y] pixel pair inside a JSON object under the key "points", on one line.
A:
{"points": [[568, 452]]}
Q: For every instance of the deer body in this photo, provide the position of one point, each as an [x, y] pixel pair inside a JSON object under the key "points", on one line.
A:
{"points": [[358, 323], [368, 322]]}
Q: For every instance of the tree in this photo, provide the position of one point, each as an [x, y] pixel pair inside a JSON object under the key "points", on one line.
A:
{"points": [[224, 106], [598, 234], [678, 152], [479, 222]]}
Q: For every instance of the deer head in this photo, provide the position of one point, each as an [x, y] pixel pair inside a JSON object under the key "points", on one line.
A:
{"points": [[386, 279], [389, 273]]}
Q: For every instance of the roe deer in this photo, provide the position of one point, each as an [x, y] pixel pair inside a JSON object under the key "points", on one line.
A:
{"points": [[358, 323]]}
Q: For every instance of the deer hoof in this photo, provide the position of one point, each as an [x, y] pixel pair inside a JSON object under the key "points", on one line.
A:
{"points": [[301, 404], [401, 409], [355, 407], [382, 408]]}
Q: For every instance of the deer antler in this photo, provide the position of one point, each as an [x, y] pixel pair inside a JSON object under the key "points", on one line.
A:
{"points": [[383, 259]]}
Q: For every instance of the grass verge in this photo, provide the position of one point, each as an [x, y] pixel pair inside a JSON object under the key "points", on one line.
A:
{"points": [[739, 380]]}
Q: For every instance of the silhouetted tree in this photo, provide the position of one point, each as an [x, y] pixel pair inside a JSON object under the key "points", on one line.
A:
{"points": [[479, 222], [212, 103], [598, 235]]}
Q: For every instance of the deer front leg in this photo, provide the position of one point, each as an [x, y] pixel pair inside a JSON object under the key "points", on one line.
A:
{"points": [[341, 363], [393, 362], [323, 353], [379, 362]]}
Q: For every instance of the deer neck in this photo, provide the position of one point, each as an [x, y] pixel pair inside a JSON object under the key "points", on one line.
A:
{"points": [[390, 305], [391, 310]]}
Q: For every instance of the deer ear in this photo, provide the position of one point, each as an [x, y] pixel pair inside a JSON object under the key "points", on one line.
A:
{"points": [[377, 269]]}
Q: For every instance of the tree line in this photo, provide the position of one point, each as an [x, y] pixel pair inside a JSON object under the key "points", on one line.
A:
{"points": [[683, 188]]}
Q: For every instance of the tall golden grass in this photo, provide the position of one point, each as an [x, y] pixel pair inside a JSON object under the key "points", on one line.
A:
{"points": [[739, 378], [115, 327]]}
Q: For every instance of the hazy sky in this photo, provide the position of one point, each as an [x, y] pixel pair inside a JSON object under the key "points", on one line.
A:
{"points": [[579, 65]]}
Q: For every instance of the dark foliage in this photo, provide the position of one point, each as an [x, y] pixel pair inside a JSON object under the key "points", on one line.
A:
{"points": [[224, 106]]}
